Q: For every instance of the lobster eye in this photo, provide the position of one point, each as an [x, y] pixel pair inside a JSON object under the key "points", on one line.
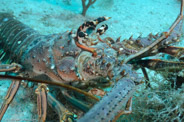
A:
{"points": [[90, 30], [81, 34]]}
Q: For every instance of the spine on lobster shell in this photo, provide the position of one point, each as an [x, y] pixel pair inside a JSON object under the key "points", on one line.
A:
{"points": [[112, 103]]}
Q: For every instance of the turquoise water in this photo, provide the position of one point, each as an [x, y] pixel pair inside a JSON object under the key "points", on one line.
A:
{"points": [[129, 17]]}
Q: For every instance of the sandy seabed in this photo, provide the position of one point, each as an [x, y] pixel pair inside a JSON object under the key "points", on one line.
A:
{"points": [[129, 17]]}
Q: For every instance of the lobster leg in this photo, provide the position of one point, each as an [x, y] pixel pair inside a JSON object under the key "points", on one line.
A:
{"points": [[176, 78], [146, 76], [10, 67], [173, 51], [41, 92], [84, 107], [64, 114], [98, 92], [13, 87], [160, 65], [128, 110], [9, 97]]}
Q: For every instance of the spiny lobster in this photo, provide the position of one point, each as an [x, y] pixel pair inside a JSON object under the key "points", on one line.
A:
{"points": [[83, 59]]}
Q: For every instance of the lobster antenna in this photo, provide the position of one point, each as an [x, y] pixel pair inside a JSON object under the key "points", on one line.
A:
{"points": [[50, 83], [160, 39]]}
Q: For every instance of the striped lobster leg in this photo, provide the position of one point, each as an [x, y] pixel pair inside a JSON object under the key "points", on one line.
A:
{"points": [[12, 89]]}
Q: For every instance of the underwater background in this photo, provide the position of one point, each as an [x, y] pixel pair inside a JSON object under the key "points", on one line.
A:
{"points": [[129, 17]]}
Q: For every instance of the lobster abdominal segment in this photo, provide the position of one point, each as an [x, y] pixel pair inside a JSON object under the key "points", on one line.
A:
{"points": [[14, 35]]}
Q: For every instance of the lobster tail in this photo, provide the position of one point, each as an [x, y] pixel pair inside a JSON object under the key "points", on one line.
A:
{"points": [[15, 37]]}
